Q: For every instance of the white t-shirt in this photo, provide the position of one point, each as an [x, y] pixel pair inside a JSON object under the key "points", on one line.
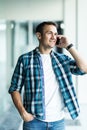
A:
{"points": [[54, 105]]}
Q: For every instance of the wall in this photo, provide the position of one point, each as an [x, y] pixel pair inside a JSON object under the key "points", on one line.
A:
{"points": [[82, 46], [31, 9]]}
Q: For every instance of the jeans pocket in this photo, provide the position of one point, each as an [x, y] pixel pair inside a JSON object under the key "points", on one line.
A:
{"points": [[28, 125], [29, 120]]}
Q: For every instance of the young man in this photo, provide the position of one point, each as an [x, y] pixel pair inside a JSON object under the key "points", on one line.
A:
{"points": [[47, 81]]}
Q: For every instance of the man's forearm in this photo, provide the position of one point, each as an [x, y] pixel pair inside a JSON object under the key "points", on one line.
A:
{"points": [[65, 43], [19, 105], [18, 102], [82, 64]]}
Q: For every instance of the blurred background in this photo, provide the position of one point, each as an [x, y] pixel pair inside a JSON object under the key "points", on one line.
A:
{"points": [[18, 19]]}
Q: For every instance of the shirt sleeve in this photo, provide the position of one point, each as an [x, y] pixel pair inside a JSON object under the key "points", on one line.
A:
{"points": [[17, 80], [74, 68]]}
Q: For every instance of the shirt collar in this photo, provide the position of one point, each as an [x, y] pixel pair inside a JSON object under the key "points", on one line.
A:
{"points": [[38, 52]]}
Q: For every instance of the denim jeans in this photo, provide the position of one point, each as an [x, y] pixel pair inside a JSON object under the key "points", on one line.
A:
{"points": [[40, 125]]}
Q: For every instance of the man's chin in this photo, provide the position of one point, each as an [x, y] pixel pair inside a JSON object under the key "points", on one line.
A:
{"points": [[52, 46]]}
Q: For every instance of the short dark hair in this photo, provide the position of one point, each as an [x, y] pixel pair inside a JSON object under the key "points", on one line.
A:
{"points": [[40, 27]]}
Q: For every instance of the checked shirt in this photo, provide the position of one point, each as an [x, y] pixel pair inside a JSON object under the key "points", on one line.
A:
{"points": [[29, 74]]}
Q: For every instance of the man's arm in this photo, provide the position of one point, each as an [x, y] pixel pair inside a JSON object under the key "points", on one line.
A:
{"points": [[81, 63], [64, 43], [16, 97]]}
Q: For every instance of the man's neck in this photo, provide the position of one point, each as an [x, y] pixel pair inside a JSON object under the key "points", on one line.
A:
{"points": [[44, 50]]}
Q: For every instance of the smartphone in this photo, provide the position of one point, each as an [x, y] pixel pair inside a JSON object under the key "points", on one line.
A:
{"points": [[58, 41]]}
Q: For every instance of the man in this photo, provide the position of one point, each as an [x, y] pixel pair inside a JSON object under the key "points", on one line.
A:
{"points": [[47, 81]]}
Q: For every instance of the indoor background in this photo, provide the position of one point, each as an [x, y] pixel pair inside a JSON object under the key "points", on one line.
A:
{"points": [[18, 19]]}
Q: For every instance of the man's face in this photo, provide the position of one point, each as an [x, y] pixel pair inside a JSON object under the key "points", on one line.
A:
{"points": [[49, 36]]}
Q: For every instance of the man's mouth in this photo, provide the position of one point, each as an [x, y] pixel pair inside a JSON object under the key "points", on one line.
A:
{"points": [[53, 41]]}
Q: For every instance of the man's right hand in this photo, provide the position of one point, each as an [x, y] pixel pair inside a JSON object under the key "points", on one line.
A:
{"points": [[27, 116]]}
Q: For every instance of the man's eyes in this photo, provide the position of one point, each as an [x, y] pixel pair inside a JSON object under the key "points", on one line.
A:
{"points": [[49, 32], [52, 33]]}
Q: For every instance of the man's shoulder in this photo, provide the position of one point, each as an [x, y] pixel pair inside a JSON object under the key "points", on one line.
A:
{"points": [[26, 55], [25, 58], [60, 55]]}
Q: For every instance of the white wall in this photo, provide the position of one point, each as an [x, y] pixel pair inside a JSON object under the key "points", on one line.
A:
{"points": [[82, 46], [30, 9], [70, 19]]}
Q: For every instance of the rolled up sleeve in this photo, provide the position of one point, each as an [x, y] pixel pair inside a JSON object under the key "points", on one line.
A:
{"points": [[74, 68], [17, 80]]}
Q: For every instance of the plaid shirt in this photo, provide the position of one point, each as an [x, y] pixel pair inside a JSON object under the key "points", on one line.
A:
{"points": [[29, 73]]}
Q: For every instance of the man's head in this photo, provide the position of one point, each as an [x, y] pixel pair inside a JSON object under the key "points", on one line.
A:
{"points": [[47, 34], [41, 26]]}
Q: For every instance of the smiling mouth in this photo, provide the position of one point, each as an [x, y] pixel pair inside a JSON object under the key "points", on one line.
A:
{"points": [[52, 40]]}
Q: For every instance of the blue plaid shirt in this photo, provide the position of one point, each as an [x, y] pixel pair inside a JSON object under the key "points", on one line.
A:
{"points": [[29, 73]]}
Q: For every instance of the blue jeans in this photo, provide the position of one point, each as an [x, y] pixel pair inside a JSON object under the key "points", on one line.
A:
{"points": [[40, 125]]}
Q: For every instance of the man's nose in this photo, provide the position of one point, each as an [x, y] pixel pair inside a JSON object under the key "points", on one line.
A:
{"points": [[54, 36]]}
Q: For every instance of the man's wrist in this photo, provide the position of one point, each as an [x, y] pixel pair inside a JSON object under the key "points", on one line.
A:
{"points": [[23, 113], [69, 46]]}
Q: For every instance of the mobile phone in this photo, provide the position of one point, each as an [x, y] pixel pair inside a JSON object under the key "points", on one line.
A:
{"points": [[58, 41]]}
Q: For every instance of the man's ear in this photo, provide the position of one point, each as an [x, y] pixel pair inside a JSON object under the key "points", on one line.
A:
{"points": [[38, 35]]}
